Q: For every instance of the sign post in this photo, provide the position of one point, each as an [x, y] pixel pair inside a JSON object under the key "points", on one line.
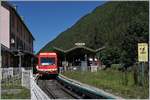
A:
{"points": [[142, 58]]}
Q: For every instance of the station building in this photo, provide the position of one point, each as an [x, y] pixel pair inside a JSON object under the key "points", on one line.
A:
{"points": [[79, 56], [15, 38]]}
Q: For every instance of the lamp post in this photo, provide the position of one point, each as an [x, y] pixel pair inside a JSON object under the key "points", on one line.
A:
{"points": [[19, 55]]}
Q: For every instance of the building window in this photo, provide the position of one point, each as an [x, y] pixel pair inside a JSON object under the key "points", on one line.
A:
{"points": [[18, 43], [29, 40], [24, 35], [17, 26], [20, 30], [12, 21], [23, 46]]}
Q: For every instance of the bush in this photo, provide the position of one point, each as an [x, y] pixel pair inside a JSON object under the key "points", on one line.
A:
{"points": [[109, 56], [116, 66]]}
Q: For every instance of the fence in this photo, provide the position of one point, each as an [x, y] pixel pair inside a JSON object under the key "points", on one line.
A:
{"points": [[14, 77], [26, 78], [10, 77], [141, 73], [92, 68]]}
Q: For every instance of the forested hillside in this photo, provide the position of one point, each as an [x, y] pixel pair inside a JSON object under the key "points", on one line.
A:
{"points": [[104, 25], [118, 25]]}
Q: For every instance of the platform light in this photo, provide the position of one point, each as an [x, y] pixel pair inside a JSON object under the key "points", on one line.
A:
{"points": [[95, 59], [90, 59]]}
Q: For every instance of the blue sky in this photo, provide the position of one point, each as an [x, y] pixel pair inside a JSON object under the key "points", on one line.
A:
{"points": [[46, 20]]}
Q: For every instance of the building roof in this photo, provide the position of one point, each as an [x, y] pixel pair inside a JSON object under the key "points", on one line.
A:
{"points": [[9, 6], [4, 48], [24, 52], [77, 47]]}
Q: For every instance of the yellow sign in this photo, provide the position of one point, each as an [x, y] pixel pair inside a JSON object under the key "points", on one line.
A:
{"points": [[142, 52]]}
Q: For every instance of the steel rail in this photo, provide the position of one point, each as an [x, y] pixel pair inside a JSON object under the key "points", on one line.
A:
{"points": [[50, 91], [55, 90], [69, 91]]}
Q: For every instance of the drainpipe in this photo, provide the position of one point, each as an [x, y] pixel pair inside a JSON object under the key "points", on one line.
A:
{"points": [[0, 56], [0, 67]]}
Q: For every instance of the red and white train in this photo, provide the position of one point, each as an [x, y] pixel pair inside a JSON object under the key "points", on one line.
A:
{"points": [[47, 64]]}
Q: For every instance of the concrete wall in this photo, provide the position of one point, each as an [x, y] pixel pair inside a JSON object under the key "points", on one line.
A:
{"points": [[5, 26]]}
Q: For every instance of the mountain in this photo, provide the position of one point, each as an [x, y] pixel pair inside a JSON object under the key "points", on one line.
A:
{"points": [[105, 25]]}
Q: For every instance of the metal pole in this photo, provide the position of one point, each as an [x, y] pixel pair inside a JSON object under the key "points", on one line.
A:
{"points": [[65, 63], [19, 60], [142, 73]]}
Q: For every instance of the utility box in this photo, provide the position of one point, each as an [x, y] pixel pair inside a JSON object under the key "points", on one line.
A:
{"points": [[94, 68], [84, 66]]}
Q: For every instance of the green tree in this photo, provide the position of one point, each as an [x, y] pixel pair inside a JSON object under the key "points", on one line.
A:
{"points": [[109, 56], [106, 23], [136, 33]]}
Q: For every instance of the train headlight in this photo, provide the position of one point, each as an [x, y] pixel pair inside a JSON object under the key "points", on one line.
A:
{"points": [[37, 67]]}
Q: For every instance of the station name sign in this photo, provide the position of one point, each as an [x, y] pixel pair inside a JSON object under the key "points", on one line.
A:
{"points": [[79, 44]]}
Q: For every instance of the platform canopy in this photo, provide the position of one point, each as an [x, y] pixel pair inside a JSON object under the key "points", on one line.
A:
{"points": [[79, 47], [77, 52]]}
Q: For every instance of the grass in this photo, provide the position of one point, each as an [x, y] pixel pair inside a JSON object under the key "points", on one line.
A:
{"points": [[23, 94], [112, 81], [10, 85]]}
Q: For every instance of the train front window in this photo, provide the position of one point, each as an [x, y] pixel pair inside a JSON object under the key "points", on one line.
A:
{"points": [[47, 61]]}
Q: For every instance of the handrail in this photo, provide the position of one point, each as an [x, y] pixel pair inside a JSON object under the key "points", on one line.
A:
{"points": [[36, 92], [87, 89]]}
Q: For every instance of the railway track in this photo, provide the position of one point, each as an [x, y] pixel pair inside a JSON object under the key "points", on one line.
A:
{"points": [[65, 88], [55, 90]]}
